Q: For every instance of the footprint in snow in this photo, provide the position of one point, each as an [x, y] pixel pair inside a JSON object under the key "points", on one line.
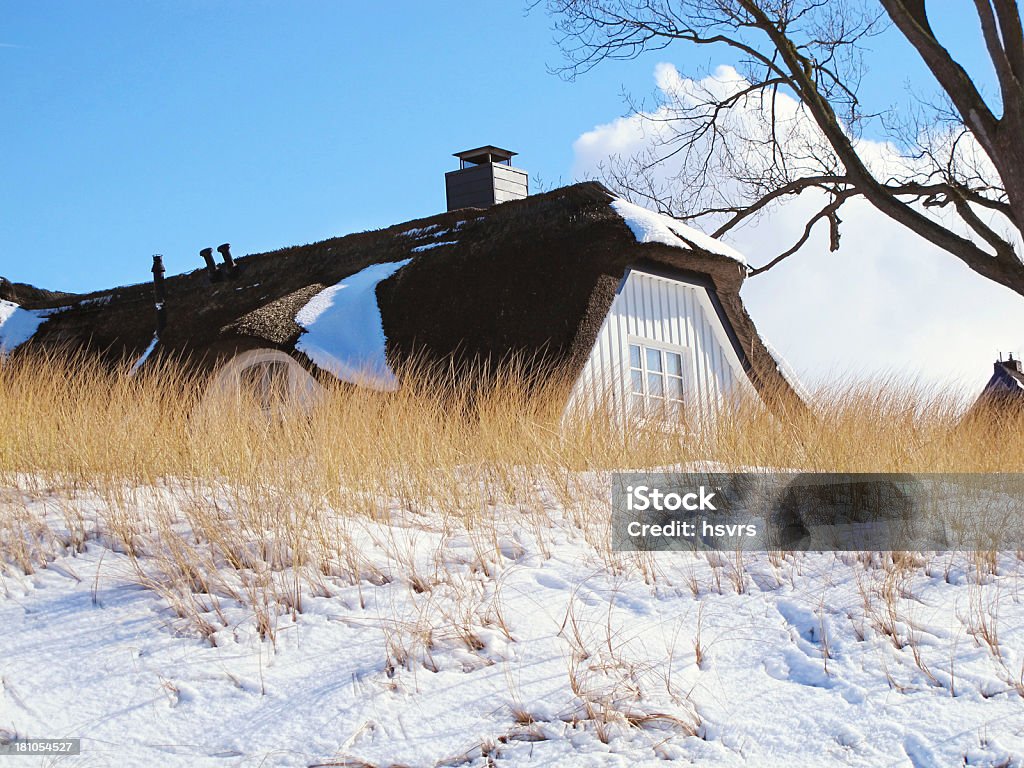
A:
{"points": [[796, 667], [807, 671], [639, 607], [918, 752], [810, 628], [551, 581], [511, 550]]}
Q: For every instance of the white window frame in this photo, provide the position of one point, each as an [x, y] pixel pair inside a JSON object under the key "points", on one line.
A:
{"points": [[653, 405]]}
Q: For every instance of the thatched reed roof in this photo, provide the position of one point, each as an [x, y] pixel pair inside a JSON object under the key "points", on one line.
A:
{"points": [[533, 277], [1005, 387], [25, 294]]}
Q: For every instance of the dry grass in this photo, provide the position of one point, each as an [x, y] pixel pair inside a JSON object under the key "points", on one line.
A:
{"points": [[258, 486], [72, 418], [216, 501]]}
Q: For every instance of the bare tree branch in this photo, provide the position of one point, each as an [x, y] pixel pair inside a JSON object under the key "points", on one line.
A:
{"points": [[792, 188], [789, 124], [829, 213]]}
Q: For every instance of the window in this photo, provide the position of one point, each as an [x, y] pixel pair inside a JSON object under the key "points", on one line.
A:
{"points": [[656, 379]]}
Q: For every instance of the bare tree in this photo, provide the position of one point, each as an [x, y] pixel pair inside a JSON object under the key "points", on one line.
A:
{"points": [[790, 122]]}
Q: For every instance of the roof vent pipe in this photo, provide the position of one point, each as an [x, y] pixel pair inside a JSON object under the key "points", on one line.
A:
{"points": [[225, 252], [211, 265], [159, 295]]}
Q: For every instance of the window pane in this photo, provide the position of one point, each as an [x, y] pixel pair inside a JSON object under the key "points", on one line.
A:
{"points": [[634, 356], [675, 388], [638, 382], [655, 385], [674, 363], [654, 360]]}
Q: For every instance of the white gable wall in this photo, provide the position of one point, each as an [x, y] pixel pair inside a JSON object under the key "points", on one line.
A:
{"points": [[672, 315]]}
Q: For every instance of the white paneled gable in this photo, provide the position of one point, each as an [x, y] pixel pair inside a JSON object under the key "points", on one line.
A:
{"points": [[666, 319]]}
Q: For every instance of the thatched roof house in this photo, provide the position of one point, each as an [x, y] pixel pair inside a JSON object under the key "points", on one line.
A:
{"points": [[1005, 389], [601, 291]]}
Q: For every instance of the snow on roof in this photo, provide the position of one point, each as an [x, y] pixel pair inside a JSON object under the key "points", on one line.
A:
{"points": [[428, 246], [651, 227], [145, 355], [433, 230], [788, 373], [428, 231], [18, 325], [344, 332]]}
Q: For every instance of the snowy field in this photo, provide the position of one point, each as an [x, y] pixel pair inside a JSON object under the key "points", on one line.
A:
{"points": [[518, 639]]}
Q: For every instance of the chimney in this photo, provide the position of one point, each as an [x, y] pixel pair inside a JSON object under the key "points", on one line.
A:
{"points": [[159, 297], [211, 265], [485, 178], [225, 253]]}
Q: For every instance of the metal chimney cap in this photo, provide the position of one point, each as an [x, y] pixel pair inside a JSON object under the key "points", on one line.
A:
{"points": [[485, 154], [224, 247]]}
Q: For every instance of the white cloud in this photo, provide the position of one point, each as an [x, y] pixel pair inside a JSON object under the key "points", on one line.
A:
{"points": [[886, 302]]}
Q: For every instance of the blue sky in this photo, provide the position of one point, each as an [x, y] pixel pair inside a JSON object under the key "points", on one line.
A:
{"points": [[132, 128], [136, 128]]}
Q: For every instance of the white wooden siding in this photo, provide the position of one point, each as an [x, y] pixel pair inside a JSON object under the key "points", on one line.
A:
{"points": [[671, 314]]}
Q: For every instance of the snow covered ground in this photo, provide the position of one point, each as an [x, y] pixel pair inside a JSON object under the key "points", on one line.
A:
{"points": [[517, 638]]}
